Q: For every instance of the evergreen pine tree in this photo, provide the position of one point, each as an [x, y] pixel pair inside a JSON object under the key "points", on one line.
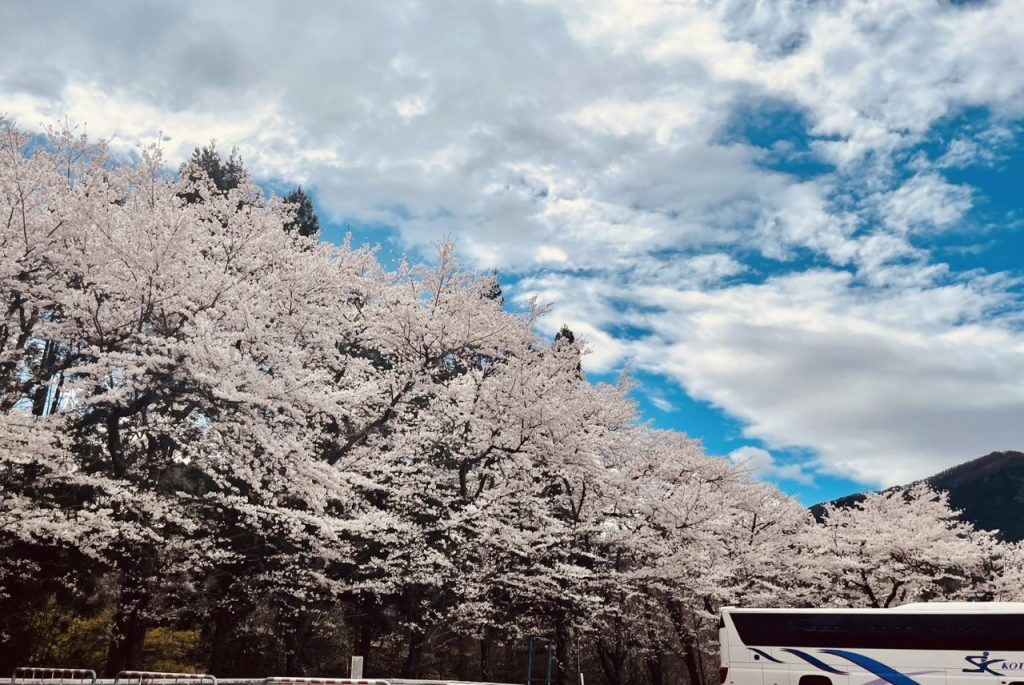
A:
{"points": [[565, 339], [495, 292], [226, 175], [566, 334], [306, 221]]}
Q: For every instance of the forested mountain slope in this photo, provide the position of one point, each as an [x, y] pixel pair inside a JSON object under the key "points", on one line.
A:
{"points": [[989, 490]]}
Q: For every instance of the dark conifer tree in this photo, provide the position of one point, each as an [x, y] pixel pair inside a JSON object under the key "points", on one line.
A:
{"points": [[495, 292], [306, 221], [226, 175], [566, 339]]}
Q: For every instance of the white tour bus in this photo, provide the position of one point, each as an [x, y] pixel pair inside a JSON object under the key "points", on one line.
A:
{"points": [[968, 643]]}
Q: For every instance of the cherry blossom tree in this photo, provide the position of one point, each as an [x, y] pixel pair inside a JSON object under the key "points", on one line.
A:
{"points": [[703, 536], [174, 346], [1003, 577], [898, 546], [223, 423]]}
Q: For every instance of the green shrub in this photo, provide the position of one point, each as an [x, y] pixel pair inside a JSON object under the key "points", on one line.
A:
{"points": [[170, 650]]}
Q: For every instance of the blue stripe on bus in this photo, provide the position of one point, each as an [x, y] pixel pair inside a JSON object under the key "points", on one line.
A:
{"points": [[815, 661], [877, 667], [765, 654]]}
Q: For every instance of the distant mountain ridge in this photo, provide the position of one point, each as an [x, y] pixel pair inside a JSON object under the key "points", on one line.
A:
{"points": [[989, 490]]}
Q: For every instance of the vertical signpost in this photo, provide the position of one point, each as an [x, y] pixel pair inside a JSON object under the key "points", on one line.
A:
{"points": [[357, 668]]}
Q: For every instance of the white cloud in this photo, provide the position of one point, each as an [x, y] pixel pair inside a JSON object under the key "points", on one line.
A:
{"points": [[548, 253], [925, 202], [963, 152], [762, 465], [412, 107], [587, 147], [884, 387], [661, 402]]}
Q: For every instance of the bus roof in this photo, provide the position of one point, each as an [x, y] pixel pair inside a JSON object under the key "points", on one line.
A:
{"points": [[916, 608]]}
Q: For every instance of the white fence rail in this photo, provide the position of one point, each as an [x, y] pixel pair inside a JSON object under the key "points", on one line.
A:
{"points": [[65, 676], [73, 676]]}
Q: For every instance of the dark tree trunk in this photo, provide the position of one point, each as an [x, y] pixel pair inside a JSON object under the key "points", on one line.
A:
{"points": [[368, 617], [692, 660], [44, 377], [655, 669], [130, 623], [296, 627], [413, 664], [410, 604], [610, 662], [561, 666], [691, 655], [486, 660], [221, 623]]}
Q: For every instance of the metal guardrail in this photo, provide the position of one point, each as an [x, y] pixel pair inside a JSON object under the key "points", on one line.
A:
{"points": [[257, 681], [323, 681], [283, 680], [313, 680], [78, 676], [158, 678], [32, 675]]}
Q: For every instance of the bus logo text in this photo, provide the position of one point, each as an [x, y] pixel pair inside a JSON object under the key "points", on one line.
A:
{"points": [[983, 664]]}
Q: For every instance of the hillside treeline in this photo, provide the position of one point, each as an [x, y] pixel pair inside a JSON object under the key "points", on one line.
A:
{"points": [[228, 447]]}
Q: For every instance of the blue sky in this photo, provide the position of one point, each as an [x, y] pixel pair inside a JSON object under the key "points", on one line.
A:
{"points": [[797, 224]]}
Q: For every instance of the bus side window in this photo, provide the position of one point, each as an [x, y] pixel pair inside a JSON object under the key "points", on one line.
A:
{"points": [[819, 680]]}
